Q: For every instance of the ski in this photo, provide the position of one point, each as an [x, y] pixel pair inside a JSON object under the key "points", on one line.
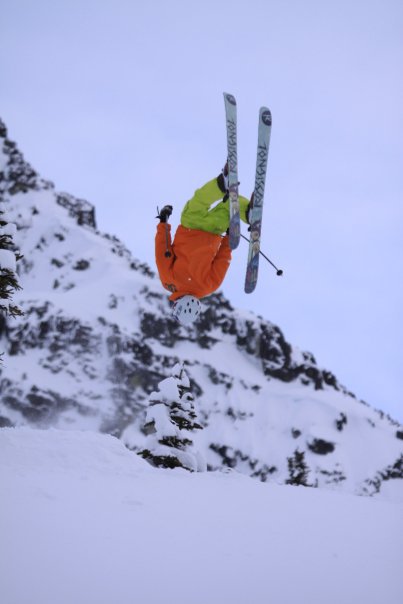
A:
{"points": [[232, 153], [256, 211]]}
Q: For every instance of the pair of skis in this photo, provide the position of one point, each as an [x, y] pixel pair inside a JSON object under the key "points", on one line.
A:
{"points": [[256, 211]]}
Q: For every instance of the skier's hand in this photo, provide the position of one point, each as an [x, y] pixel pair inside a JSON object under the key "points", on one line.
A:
{"points": [[165, 213]]}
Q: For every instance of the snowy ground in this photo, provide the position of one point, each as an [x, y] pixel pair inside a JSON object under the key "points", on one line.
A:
{"points": [[85, 521]]}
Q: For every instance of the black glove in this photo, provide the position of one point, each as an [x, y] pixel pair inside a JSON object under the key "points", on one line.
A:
{"points": [[165, 213], [222, 179], [250, 206]]}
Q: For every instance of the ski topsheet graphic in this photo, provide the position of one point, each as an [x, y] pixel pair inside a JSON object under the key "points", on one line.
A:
{"points": [[232, 151], [256, 211]]}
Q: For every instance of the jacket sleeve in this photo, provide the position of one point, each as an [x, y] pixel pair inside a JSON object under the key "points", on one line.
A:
{"points": [[163, 244], [220, 264]]}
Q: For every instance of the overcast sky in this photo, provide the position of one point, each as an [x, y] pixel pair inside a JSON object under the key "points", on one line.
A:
{"points": [[120, 102]]}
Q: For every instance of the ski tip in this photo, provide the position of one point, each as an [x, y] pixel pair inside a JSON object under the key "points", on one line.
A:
{"points": [[265, 116], [230, 98]]}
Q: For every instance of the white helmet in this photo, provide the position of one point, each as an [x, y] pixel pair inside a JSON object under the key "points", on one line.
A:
{"points": [[186, 309]]}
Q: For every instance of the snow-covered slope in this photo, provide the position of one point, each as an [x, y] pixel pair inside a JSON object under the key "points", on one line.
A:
{"points": [[97, 338], [84, 520]]}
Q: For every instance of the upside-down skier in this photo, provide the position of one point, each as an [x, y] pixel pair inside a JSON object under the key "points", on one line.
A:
{"points": [[194, 265]]}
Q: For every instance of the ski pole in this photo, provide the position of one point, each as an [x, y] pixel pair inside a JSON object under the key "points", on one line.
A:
{"points": [[167, 252], [279, 271]]}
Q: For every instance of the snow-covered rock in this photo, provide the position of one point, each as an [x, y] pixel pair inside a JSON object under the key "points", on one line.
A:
{"points": [[97, 338]]}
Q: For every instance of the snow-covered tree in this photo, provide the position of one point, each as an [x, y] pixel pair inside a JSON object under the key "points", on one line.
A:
{"points": [[170, 423], [8, 260], [298, 469]]}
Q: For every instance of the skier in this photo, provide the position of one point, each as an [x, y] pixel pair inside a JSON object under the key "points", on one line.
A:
{"points": [[195, 264]]}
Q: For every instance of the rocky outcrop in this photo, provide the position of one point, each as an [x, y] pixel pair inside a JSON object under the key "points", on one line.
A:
{"points": [[17, 175], [97, 338]]}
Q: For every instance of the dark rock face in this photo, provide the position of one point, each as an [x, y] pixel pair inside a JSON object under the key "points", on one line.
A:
{"points": [[80, 209], [38, 406], [320, 446], [276, 355], [167, 332], [258, 338], [392, 472], [341, 421], [131, 370], [231, 458]]}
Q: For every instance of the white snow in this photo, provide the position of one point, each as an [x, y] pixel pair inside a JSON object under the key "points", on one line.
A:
{"points": [[9, 229], [7, 260], [86, 521]]}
